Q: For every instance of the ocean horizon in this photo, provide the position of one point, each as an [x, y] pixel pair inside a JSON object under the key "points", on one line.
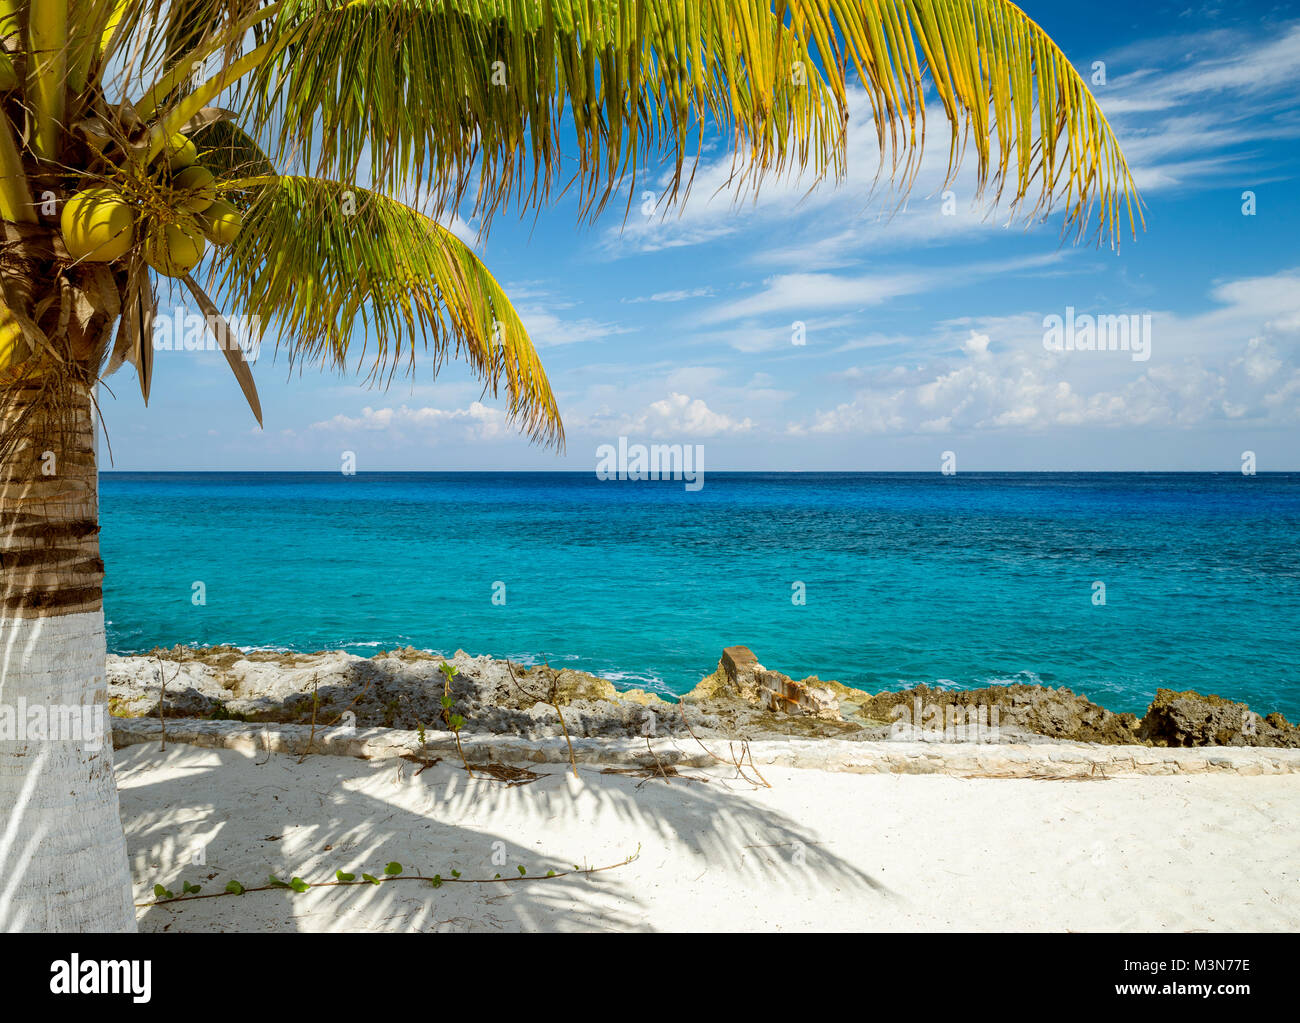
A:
{"points": [[1112, 584]]}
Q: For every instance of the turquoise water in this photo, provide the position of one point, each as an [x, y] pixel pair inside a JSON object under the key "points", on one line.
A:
{"points": [[961, 581]]}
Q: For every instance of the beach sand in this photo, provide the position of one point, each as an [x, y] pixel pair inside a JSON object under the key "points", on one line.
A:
{"points": [[816, 851]]}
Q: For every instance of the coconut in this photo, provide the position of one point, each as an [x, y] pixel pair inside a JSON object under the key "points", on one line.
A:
{"points": [[13, 346], [182, 153], [97, 225], [178, 151], [196, 188], [221, 222], [174, 249]]}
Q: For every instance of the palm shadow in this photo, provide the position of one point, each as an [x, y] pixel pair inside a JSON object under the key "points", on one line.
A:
{"points": [[253, 815]]}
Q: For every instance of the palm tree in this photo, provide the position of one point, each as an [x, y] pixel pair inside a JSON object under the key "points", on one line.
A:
{"points": [[268, 156]]}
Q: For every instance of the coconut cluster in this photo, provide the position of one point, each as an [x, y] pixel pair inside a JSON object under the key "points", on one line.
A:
{"points": [[175, 219]]}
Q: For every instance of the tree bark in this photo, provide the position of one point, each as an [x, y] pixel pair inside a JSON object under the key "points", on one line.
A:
{"points": [[63, 864]]}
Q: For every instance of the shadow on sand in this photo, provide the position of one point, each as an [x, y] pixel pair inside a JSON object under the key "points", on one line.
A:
{"points": [[249, 816]]}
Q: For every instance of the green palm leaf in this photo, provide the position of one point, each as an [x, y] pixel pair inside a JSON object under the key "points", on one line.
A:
{"points": [[443, 97], [319, 262], [447, 93], [1005, 86], [230, 152], [441, 94]]}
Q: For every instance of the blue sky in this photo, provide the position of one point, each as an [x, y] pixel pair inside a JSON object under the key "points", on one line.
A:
{"points": [[924, 331]]}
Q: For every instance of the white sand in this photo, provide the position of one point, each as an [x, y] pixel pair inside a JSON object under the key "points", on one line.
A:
{"points": [[818, 850]]}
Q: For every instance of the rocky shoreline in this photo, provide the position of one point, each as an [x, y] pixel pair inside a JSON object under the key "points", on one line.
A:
{"points": [[740, 699]]}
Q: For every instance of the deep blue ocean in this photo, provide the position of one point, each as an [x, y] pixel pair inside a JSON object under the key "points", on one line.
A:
{"points": [[959, 581]]}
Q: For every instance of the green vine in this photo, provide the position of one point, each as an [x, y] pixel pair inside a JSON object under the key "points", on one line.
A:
{"points": [[392, 872]]}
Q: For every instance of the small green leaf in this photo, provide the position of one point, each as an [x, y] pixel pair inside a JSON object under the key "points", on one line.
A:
{"points": [[234, 888], [190, 889], [550, 873], [275, 882], [161, 892], [497, 878], [457, 722], [368, 877], [344, 877], [455, 872], [437, 881], [522, 872], [393, 869], [447, 701], [298, 884]]}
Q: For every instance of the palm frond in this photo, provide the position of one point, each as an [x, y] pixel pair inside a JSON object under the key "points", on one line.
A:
{"points": [[435, 94], [320, 262], [230, 152], [134, 342], [228, 343], [1005, 86], [442, 94], [157, 34], [47, 74]]}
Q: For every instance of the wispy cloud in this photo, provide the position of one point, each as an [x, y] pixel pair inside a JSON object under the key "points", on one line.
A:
{"points": [[1186, 110], [677, 416], [1237, 362], [680, 295], [811, 293], [426, 424], [1189, 110], [543, 314]]}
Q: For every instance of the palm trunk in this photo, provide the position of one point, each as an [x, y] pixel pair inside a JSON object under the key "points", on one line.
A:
{"points": [[63, 863]]}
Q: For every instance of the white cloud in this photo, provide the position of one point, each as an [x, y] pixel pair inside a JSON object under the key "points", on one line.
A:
{"points": [[1210, 96], [816, 291], [478, 422], [540, 312], [1215, 63], [680, 415], [807, 293], [680, 295], [676, 417], [977, 344], [548, 330], [1239, 361]]}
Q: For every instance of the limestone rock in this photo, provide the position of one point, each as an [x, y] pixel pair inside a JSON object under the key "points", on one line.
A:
{"points": [[741, 668], [1190, 719], [1038, 710], [783, 695], [740, 699]]}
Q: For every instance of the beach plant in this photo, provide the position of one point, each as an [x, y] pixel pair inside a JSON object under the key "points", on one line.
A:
{"points": [[448, 673], [392, 872], [453, 721], [315, 708], [162, 701], [260, 160]]}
